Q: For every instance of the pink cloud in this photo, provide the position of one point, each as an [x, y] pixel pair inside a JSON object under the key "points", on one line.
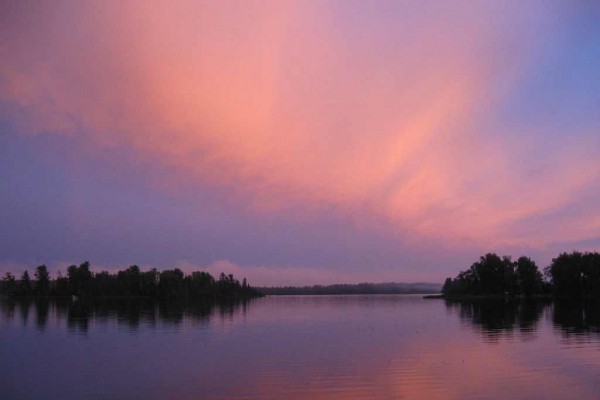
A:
{"points": [[281, 103]]}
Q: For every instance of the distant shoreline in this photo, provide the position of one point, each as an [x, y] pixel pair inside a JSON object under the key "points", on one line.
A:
{"points": [[354, 289]]}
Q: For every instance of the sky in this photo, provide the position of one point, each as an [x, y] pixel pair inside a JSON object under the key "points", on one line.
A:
{"points": [[298, 142]]}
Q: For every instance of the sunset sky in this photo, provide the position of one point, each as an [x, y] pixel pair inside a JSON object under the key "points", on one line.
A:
{"points": [[298, 142]]}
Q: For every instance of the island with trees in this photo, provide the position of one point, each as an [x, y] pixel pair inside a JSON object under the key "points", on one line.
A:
{"points": [[572, 274], [82, 283]]}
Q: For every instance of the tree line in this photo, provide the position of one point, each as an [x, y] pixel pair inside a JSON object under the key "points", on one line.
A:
{"points": [[569, 274], [82, 282], [359, 288]]}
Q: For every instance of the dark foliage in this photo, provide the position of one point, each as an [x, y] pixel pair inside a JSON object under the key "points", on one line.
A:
{"points": [[25, 285], [575, 274], [132, 282], [9, 284], [570, 274], [42, 278], [529, 278], [491, 275]]}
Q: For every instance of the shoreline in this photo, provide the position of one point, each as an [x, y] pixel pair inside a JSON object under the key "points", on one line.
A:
{"points": [[504, 297]]}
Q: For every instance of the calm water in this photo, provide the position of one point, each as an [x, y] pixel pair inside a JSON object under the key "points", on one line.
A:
{"points": [[330, 347]]}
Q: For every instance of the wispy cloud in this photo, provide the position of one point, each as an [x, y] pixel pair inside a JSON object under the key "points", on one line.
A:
{"points": [[387, 112]]}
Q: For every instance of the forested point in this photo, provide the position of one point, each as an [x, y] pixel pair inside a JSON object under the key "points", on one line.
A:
{"points": [[81, 282], [570, 274]]}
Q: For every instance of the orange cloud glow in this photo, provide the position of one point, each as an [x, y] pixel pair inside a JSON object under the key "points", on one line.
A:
{"points": [[282, 102]]}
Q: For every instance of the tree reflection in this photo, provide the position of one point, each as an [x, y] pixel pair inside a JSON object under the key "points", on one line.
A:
{"points": [[24, 306], [41, 313], [133, 313], [492, 318], [78, 316], [495, 318], [7, 307], [529, 313], [577, 317]]}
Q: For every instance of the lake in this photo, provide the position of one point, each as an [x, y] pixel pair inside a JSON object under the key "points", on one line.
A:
{"points": [[301, 347]]}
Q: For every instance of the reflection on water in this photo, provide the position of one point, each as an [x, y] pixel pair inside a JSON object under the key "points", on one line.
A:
{"points": [[576, 317], [321, 347], [134, 313], [572, 317]]}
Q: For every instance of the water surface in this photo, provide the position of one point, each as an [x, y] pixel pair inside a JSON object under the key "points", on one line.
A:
{"points": [[304, 347]]}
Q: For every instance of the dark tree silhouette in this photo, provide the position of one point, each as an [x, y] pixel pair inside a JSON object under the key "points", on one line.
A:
{"points": [[80, 279], [570, 274], [150, 281], [201, 283], [25, 284], [61, 286], [495, 275], [9, 284], [42, 277], [171, 284], [575, 274], [131, 282], [529, 278]]}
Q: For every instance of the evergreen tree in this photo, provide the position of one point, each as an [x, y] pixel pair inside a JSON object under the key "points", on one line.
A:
{"points": [[25, 284], [42, 277]]}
